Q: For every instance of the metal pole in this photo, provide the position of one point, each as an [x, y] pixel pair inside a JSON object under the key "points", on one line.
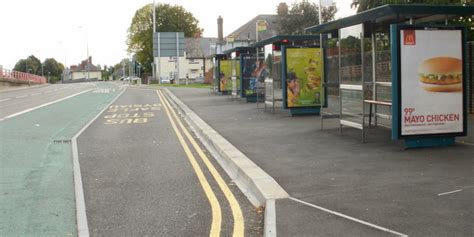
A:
{"points": [[154, 19], [374, 78], [322, 60], [152, 35], [256, 79], [158, 72], [177, 58]]}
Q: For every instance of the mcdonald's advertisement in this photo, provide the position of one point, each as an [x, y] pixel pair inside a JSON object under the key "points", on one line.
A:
{"points": [[225, 82], [431, 82], [304, 77]]}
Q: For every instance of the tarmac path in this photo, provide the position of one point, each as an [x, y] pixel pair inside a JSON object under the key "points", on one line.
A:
{"points": [[145, 174]]}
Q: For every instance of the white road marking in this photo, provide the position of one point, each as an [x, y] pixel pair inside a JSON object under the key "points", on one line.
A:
{"points": [[5, 99], [35, 94], [43, 105], [21, 96], [82, 227], [455, 191], [350, 218]]}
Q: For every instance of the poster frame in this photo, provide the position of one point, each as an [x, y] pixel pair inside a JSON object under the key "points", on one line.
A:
{"points": [[284, 76], [397, 82]]}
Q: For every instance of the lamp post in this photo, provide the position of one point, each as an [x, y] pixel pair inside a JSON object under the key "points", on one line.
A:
{"points": [[87, 51], [28, 70]]}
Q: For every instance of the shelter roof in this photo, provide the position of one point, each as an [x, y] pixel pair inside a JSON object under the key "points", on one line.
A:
{"points": [[390, 14]]}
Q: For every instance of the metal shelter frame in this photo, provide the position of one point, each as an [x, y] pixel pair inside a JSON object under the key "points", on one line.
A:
{"points": [[375, 22]]}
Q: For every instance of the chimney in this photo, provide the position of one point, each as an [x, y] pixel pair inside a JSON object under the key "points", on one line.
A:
{"points": [[220, 33]]}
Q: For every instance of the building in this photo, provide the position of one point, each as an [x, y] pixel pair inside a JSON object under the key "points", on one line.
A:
{"points": [[193, 62], [247, 33], [83, 71]]}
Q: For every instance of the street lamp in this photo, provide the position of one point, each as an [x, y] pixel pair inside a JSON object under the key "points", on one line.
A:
{"points": [[87, 50], [28, 70]]}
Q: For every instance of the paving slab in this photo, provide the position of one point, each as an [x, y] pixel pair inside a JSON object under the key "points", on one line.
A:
{"points": [[380, 182]]}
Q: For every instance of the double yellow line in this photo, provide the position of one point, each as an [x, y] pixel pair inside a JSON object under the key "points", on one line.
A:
{"points": [[238, 229]]}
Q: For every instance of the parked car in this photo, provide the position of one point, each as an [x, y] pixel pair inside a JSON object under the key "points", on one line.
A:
{"points": [[165, 80]]}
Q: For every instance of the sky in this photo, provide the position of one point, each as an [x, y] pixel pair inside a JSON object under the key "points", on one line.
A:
{"points": [[69, 30]]}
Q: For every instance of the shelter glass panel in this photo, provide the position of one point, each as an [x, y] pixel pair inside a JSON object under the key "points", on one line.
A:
{"points": [[350, 51], [235, 71], [351, 75], [352, 105]]}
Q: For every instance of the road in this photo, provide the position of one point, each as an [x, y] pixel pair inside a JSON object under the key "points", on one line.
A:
{"points": [[16, 101], [143, 172]]}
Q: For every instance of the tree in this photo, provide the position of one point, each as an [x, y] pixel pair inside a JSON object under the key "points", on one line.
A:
{"points": [[302, 15], [168, 19], [363, 5], [53, 69], [29, 65]]}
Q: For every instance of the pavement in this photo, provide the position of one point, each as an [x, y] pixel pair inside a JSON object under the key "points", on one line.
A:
{"points": [[338, 186]]}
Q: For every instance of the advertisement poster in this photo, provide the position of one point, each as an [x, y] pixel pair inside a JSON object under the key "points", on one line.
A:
{"points": [[225, 82], [249, 65], [235, 87], [431, 82], [303, 77]]}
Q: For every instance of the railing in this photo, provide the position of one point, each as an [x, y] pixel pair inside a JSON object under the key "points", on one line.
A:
{"points": [[21, 76]]}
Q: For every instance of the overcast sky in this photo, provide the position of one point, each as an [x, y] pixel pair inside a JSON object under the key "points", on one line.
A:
{"points": [[62, 29]]}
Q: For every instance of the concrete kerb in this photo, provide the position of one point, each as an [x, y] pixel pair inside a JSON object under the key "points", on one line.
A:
{"points": [[259, 187]]}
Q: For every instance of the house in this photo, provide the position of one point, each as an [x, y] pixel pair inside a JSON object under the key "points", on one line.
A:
{"points": [[247, 33], [194, 61], [83, 71], [191, 63]]}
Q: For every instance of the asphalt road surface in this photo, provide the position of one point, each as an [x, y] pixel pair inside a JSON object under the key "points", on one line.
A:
{"points": [[144, 174], [18, 100]]}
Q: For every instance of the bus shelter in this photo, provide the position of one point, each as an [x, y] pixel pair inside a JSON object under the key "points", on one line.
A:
{"points": [[239, 78], [400, 66], [292, 73]]}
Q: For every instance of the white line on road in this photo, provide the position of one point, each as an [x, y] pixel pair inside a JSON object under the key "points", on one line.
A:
{"points": [[82, 227], [350, 218], [5, 99], [35, 94], [21, 96], [43, 105], [455, 191]]}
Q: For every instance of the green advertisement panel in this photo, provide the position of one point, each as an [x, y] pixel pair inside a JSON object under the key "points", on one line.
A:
{"points": [[225, 76], [304, 76]]}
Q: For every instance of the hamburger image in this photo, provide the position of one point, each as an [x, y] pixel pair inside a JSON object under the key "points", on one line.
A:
{"points": [[441, 74]]}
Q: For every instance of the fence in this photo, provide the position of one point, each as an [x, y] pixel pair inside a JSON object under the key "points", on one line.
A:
{"points": [[21, 76]]}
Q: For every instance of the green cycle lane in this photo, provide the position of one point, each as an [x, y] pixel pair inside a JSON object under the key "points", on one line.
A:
{"points": [[36, 171]]}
